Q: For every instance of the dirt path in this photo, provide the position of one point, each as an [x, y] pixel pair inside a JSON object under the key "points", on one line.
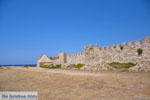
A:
{"points": [[59, 71]]}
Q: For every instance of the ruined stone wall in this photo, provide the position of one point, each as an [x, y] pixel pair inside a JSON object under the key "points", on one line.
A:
{"points": [[56, 62], [109, 54], [76, 58], [61, 59], [115, 54]]}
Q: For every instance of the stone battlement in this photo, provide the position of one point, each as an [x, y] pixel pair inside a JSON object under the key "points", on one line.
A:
{"points": [[74, 55], [131, 44]]}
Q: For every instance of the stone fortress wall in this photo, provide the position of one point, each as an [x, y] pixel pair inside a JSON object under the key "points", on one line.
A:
{"points": [[115, 54], [76, 58], [107, 54]]}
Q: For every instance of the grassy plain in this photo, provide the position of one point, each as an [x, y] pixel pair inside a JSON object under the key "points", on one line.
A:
{"points": [[59, 86]]}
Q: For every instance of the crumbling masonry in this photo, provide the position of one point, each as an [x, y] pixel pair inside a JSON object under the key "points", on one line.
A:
{"points": [[119, 53]]}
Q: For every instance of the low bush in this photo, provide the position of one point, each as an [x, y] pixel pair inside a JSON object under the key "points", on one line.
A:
{"points": [[121, 47], [50, 66], [57, 66], [121, 65], [114, 63], [78, 66], [109, 68], [45, 66], [132, 64], [26, 66], [125, 70], [139, 51]]}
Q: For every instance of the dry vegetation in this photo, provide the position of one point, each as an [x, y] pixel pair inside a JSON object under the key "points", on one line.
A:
{"points": [[51, 86]]}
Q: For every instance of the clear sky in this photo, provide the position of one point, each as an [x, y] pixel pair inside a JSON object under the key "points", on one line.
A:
{"points": [[31, 28]]}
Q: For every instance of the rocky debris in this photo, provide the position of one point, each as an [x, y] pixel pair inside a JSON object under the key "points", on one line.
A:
{"points": [[95, 66], [142, 66], [68, 66]]}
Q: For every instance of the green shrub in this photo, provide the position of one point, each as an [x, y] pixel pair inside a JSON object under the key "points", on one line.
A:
{"points": [[109, 68], [45, 66], [125, 70], [114, 63], [78, 66], [50, 66], [139, 51], [121, 47], [132, 64], [26, 66], [121, 65], [57, 66], [126, 66]]}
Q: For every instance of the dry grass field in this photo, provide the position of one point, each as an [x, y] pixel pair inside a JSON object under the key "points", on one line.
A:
{"points": [[59, 86]]}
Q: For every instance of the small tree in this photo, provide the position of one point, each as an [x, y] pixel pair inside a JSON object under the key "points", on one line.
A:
{"points": [[139, 51], [78, 66], [121, 47]]}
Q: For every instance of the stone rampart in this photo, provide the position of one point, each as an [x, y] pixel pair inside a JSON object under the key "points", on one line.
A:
{"points": [[76, 58], [127, 52]]}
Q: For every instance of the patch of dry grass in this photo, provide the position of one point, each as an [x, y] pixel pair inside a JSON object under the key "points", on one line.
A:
{"points": [[50, 86]]}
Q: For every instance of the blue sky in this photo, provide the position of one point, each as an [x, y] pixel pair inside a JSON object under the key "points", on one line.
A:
{"points": [[31, 28]]}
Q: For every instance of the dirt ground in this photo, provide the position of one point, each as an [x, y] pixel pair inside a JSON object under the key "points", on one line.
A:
{"points": [[59, 84]]}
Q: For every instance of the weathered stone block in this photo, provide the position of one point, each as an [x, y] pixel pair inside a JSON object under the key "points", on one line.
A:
{"points": [[91, 46], [138, 43], [85, 47], [96, 46], [108, 48], [118, 47], [124, 45], [147, 41], [63, 58], [103, 48], [113, 47], [131, 44]]}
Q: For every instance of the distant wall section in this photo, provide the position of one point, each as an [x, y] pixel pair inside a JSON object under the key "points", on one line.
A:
{"points": [[125, 52]]}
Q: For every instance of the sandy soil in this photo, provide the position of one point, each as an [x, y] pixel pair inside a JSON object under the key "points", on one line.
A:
{"points": [[56, 84], [61, 71]]}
